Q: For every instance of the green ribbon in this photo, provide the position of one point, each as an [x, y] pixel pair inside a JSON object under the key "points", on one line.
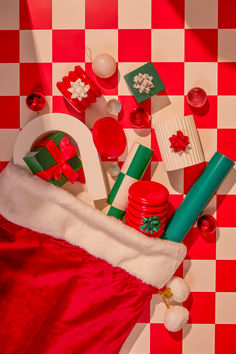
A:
{"points": [[151, 224]]}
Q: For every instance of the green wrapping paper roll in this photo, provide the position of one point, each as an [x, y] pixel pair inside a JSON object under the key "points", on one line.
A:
{"points": [[197, 198]]}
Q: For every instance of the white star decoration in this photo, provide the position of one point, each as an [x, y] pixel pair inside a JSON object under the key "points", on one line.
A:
{"points": [[78, 89]]}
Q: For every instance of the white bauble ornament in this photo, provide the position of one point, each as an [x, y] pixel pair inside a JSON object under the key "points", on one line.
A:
{"points": [[175, 318], [104, 65], [113, 107], [179, 289]]}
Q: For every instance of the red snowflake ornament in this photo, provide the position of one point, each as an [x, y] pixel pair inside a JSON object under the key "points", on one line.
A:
{"points": [[179, 142]]}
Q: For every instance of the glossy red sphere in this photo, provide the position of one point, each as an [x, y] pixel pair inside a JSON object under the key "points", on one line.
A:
{"points": [[36, 101], [206, 224], [139, 118]]}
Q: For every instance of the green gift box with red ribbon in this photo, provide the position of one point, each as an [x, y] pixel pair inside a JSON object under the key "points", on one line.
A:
{"points": [[55, 160]]}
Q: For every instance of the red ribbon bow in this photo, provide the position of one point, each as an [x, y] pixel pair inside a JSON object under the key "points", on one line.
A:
{"points": [[62, 155], [179, 142]]}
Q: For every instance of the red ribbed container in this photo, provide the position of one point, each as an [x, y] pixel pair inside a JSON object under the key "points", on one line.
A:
{"points": [[147, 199]]}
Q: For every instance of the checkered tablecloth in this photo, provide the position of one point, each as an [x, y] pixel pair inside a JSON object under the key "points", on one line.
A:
{"points": [[191, 43]]}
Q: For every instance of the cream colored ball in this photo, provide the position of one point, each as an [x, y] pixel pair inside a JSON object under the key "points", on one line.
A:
{"points": [[179, 289], [104, 66], [175, 318]]}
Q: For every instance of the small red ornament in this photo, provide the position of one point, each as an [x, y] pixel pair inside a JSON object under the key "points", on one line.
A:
{"points": [[139, 118], [36, 101], [206, 224], [179, 142]]}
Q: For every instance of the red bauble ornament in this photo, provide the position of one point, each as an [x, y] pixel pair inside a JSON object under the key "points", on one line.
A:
{"points": [[36, 101], [139, 118], [179, 142], [206, 224], [109, 137]]}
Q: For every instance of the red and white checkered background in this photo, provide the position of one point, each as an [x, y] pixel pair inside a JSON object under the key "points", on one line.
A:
{"points": [[191, 43]]}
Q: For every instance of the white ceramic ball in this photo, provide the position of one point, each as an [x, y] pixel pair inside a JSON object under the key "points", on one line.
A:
{"points": [[179, 289], [113, 107], [175, 318], [104, 65]]}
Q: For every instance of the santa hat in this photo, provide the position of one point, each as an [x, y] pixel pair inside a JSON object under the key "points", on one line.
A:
{"points": [[74, 279]]}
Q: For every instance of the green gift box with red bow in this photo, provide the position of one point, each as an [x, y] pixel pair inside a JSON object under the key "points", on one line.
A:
{"points": [[55, 160]]}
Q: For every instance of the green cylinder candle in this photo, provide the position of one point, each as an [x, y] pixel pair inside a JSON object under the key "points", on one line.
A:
{"points": [[197, 198]]}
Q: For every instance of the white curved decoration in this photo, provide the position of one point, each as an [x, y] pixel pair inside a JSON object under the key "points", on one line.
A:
{"points": [[83, 138]]}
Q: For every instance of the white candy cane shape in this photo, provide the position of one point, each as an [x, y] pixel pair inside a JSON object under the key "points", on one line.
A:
{"points": [[82, 136]]}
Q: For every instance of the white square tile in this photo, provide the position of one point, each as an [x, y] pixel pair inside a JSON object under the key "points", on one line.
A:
{"points": [[168, 45], [201, 14], [226, 243], [7, 140], [229, 186], [208, 138], [9, 14], [36, 46], [226, 45], [199, 339], [68, 14], [125, 68], [96, 111], [200, 274], [59, 70], [226, 109], [27, 114], [142, 136], [10, 83], [172, 180], [99, 41], [202, 75], [166, 108], [225, 308], [138, 342], [134, 14]]}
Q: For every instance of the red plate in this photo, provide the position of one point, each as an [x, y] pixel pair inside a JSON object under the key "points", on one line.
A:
{"points": [[109, 137], [147, 208], [149, 193]]}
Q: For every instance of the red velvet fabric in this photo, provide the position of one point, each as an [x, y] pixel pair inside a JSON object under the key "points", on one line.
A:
{"points": [[57, 298]]}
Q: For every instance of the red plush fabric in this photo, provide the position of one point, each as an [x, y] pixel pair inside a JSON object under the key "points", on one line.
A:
{"points": [[57, 298]]}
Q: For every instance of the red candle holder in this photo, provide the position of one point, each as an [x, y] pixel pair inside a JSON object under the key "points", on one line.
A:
{"points": [[139, 118], [206, 224], [35, 101]]}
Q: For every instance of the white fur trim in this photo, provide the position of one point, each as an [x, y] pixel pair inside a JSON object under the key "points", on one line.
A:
{"points": [[40, 206]]}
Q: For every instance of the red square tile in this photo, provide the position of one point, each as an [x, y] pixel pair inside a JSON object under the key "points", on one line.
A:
{"points": [[191, 174], [35, 77], [172, 75], [226, 142], [68, 46], [10, 112], [224, 279], [147, 174], [35, 14], [226, 78], [108, 86], [101, 14], [9, 42], [226, 210], [129, 103], [3, 165], [205, 117], [201, 307], [164, 342], [154, 146], [61, 105], [174, 202], [201, 45], [145, 317], [129, 42], [226, 11], [200, 247], [167, 14], [225, 338]]}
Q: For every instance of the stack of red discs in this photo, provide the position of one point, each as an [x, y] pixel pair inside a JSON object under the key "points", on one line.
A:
{"points": [[147, 207]]}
